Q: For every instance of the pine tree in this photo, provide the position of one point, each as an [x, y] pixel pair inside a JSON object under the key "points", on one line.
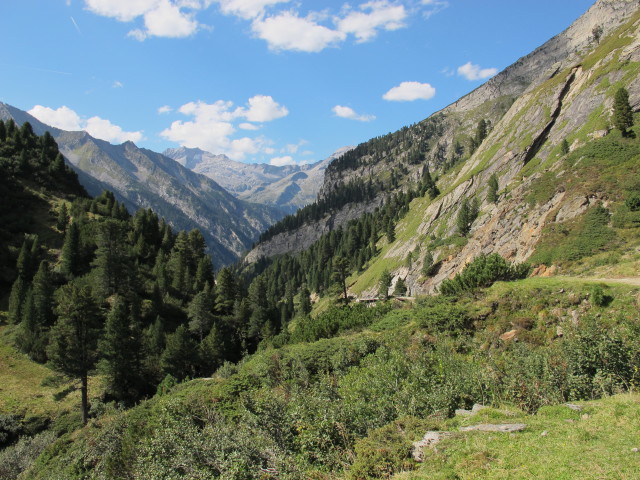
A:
{"points": [[564, 146], [63, 218], [179, 355], [340, 274], [305, 301], [71, 251], [30, 337], [492, 194], [42, 288], [481, 132], [226, 292], [113, 269], [16, 300], [400, 288], [118, 346], [384, 284], [427, 264], [211, 351], [73, 339], [200, 314], [622, 113]]}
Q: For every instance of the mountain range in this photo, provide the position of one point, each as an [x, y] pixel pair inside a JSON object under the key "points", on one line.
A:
{"points": [[141, 178], [287, 187]]}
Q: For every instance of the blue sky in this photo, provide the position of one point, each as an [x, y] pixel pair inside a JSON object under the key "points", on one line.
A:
{"points": [[274, 81]]}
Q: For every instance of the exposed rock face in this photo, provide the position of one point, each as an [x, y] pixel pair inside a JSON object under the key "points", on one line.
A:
{"points": [[144, 179], [532, 105]]}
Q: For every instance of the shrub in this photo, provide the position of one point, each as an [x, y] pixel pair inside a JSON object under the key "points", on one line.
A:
{"points": [[482, 273]]}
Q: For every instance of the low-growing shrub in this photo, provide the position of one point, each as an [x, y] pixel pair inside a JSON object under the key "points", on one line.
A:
{"points": [[483, 272]]}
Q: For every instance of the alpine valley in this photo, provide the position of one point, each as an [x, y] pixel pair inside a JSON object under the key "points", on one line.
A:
{"points": [[457, 299]]}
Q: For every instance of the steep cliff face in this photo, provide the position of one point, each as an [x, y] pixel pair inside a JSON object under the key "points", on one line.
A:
{"points": [[561, 91]]}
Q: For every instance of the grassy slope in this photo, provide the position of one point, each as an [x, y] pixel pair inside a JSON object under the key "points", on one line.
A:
{"points": [[541, 303], [29, 389], [593, 443]]}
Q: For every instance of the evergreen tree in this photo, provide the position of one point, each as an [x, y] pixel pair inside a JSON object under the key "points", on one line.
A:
{"points": [[42, 288], [564, 146], [340, 274], [17, 299], [63, 218], [226, 292], [400, 288], [305, 301], [481, 132], [30, 337], [200, 314], [492, 194], [73, 339], [179, 355], [211, 351], [390, 230], [70, 264], [622, 113], [466, 215], [259, 322], [112, 263], [427, 264], [119, 347], [384, 284]]}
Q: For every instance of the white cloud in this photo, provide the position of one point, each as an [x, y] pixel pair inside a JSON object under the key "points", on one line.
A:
{"points": [[212, 127], [165, 109], [117, 84], [281, 161], [105, 130], [63, 117], [409, 91], [348, 112], [288, 31], [162, 18], [472, 72], [262, 108], [167, 20], [247, 9], [123, 10], [66, 119], [374, 15]]}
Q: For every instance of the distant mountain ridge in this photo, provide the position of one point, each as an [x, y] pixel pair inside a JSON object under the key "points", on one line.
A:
{"points": [[287, 187], [142, 178]]}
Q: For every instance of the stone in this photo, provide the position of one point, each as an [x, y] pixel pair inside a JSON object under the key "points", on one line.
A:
{"points": [[585, 416], [544, 434], [510, 335], [429, 440], [635, 450], [493, 427], [559, 331], [573, 406]]}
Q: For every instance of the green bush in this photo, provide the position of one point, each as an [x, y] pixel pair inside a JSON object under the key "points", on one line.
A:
{"points": [[482, 273]]}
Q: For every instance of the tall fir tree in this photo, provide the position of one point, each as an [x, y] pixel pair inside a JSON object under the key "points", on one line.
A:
{"points": [[622, 113], [492, 193], [119, 346], [70, 264], [73, 339]]}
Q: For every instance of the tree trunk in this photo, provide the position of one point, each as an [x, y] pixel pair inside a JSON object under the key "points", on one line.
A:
{"points": [[85, 403]]}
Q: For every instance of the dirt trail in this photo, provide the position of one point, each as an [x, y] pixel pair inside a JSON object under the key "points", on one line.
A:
{"points": [[627, 280]]}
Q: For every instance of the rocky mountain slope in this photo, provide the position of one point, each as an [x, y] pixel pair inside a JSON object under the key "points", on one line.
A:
{"points": [[287, 187], [562, 91], [142, 178]]}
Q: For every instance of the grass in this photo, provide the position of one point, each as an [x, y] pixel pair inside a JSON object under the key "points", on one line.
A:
{"points": [[27, 388], [594, 443]]}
